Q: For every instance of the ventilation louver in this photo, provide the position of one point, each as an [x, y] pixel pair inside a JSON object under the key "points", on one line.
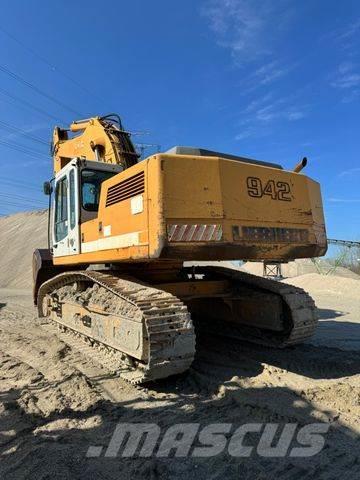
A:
{"points": [[128, 188]]}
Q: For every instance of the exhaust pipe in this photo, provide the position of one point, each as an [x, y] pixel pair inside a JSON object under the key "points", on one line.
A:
{"points": [[300, 165]]}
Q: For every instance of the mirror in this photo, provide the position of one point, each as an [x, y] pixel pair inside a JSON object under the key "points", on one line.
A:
{"points": [[47, 188]]}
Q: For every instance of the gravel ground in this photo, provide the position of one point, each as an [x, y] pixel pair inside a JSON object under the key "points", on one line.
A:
{"points": [[57, 400], [58, 397], [338, 301]]}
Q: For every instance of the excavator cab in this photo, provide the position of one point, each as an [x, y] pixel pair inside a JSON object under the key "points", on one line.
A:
{"points": [[77, 189], [91, 181]]}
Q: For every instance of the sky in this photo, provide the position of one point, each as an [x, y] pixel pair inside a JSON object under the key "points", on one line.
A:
{"points": [[272, 80]]}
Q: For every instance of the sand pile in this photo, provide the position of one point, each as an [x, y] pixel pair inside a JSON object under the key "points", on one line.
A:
{"points": [[20, 235], [302, 267], [215, 263], [329, 284]]}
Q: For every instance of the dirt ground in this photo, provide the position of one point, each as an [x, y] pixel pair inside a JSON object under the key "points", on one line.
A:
{"points": [[56, 400]]}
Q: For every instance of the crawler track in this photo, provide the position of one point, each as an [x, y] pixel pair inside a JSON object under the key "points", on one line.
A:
{"points": [[300, 315], [170, 339]]}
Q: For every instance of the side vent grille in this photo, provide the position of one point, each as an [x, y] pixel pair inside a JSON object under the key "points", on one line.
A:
{"points": [[128, 188]]}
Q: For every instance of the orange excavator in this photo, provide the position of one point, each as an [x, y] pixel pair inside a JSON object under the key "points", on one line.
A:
{"points": [[121, 231]]}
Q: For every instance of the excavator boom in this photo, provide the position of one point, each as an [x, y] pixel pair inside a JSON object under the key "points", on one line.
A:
{"points": [[101, 139]]}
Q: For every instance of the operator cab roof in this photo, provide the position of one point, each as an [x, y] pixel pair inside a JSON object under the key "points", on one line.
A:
{"points": [[202, 152]]}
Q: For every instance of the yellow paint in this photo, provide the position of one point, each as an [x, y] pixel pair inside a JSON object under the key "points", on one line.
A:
{"points": [[183, 189], [91, 136]]}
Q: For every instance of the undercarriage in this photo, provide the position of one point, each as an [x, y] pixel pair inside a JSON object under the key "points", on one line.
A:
{"points": [[146, 320]]}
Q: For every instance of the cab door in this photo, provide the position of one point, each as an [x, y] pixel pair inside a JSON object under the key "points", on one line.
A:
{"points": [[74, 212], [66, 231]]}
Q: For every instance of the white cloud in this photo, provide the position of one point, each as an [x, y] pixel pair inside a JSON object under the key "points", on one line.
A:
{"points": [[347, 76], [295, 115], [251, 31], [247, 28], [244, 134], [343, 200], [345, 67], [262, 112], [350, 171], [350, 31], [279, 110], [271, 71], [258, 102], [352, 96], [236, 23], [347, 80]]}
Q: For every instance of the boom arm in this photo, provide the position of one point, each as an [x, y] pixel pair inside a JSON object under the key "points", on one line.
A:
{"points": [[102, 139]]}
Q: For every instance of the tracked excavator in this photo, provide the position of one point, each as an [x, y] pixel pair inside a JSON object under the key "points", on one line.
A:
{"points": [[121, 232]]}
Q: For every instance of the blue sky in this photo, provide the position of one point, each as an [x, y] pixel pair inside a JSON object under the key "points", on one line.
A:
{"points": [[274, 80]]}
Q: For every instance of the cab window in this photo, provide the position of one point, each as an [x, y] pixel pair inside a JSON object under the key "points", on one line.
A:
{"points": [[91, 181], [61, 209], [72, 200]]}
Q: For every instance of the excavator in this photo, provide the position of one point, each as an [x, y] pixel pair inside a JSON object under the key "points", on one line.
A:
{"points": [[125, 236]]}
